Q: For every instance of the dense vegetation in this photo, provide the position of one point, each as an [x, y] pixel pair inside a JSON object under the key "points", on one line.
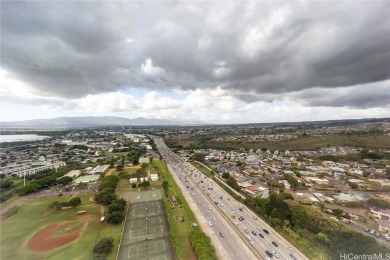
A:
{"points": [[312, 224], [106, 196], [201, 243], [363, 154], [102, 248], [42, 179], [304, 142]]}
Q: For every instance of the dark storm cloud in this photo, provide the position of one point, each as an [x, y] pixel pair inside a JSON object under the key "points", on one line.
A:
{"points": [[256, 50]]}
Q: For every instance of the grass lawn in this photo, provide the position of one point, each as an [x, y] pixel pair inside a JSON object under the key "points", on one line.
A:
{"points": [[311, 250], [17, 230], [373, 141], [179, 230], [202, 169]]}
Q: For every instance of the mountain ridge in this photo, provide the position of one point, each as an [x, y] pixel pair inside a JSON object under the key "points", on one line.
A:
{"points": [[87, 121]]}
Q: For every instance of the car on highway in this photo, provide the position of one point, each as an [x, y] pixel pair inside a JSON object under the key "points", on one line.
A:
{"points": [[290, 249], [275, 254], [266, 231], [254, 233], [209, 208], [235, 223], [293, 256], [246, 231], [210, 224], [200, 203], [269, 253], [274, 243], [261, 235], [221, 234]]}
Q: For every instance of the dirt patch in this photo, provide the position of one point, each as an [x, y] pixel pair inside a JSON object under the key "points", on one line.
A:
{"points": [[43, 240], [179, 218], [91, 199]]}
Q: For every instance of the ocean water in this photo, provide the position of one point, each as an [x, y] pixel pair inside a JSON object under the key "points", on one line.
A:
{"points": [[20, 138]]}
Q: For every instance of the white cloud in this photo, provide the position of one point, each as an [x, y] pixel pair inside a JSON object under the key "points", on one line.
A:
{"points": [[149, 70]]}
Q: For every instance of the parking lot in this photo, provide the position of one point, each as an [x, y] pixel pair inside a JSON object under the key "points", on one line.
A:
{"points": [[146, 231]]}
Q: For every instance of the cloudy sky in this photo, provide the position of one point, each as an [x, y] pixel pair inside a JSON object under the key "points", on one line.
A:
{"points": [[196, 61]]}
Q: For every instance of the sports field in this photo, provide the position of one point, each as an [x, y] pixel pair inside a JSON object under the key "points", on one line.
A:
{"points": [[146, 232], [35, 232]]}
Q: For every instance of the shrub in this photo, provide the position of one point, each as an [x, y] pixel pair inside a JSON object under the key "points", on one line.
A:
{"points": [[115, 217], [104, 246]]}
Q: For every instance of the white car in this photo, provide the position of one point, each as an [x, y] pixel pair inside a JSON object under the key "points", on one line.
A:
{"points": [[235, 223], [209, 208], [210, 224], [275, 254]]}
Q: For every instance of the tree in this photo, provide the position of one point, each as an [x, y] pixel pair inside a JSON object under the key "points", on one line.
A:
{"points": [[6, 184], [298, 216], [199, 157], [55, 206], [291, 180], [31, 187], [338, 213], [322, 237], [366, 173], [74, 202], [64, 180], [225, 175], [115, 217], [105, 196], [165, 186], [104, 246], [116, 206], [144, 165], [272, 183]]}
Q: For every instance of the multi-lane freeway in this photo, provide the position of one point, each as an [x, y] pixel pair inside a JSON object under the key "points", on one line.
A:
{"points": [[240, 234]]}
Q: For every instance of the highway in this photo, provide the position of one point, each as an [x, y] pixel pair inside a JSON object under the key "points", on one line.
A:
{"points": [[222, 213], [226, 241]]}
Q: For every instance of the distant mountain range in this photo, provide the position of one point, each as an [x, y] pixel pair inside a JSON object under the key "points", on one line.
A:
{"points": [[89, 121]]}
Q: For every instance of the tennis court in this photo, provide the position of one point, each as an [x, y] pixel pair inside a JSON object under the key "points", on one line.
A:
{"points": [[146, 231], [142, 196], [157, 249]]}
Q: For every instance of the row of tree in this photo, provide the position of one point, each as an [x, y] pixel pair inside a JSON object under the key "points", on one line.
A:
{"points": [[106, 196]]}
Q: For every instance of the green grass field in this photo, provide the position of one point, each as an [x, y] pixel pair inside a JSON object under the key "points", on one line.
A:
{"points": [[17, 230], [179, 230], [373, 141]]}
